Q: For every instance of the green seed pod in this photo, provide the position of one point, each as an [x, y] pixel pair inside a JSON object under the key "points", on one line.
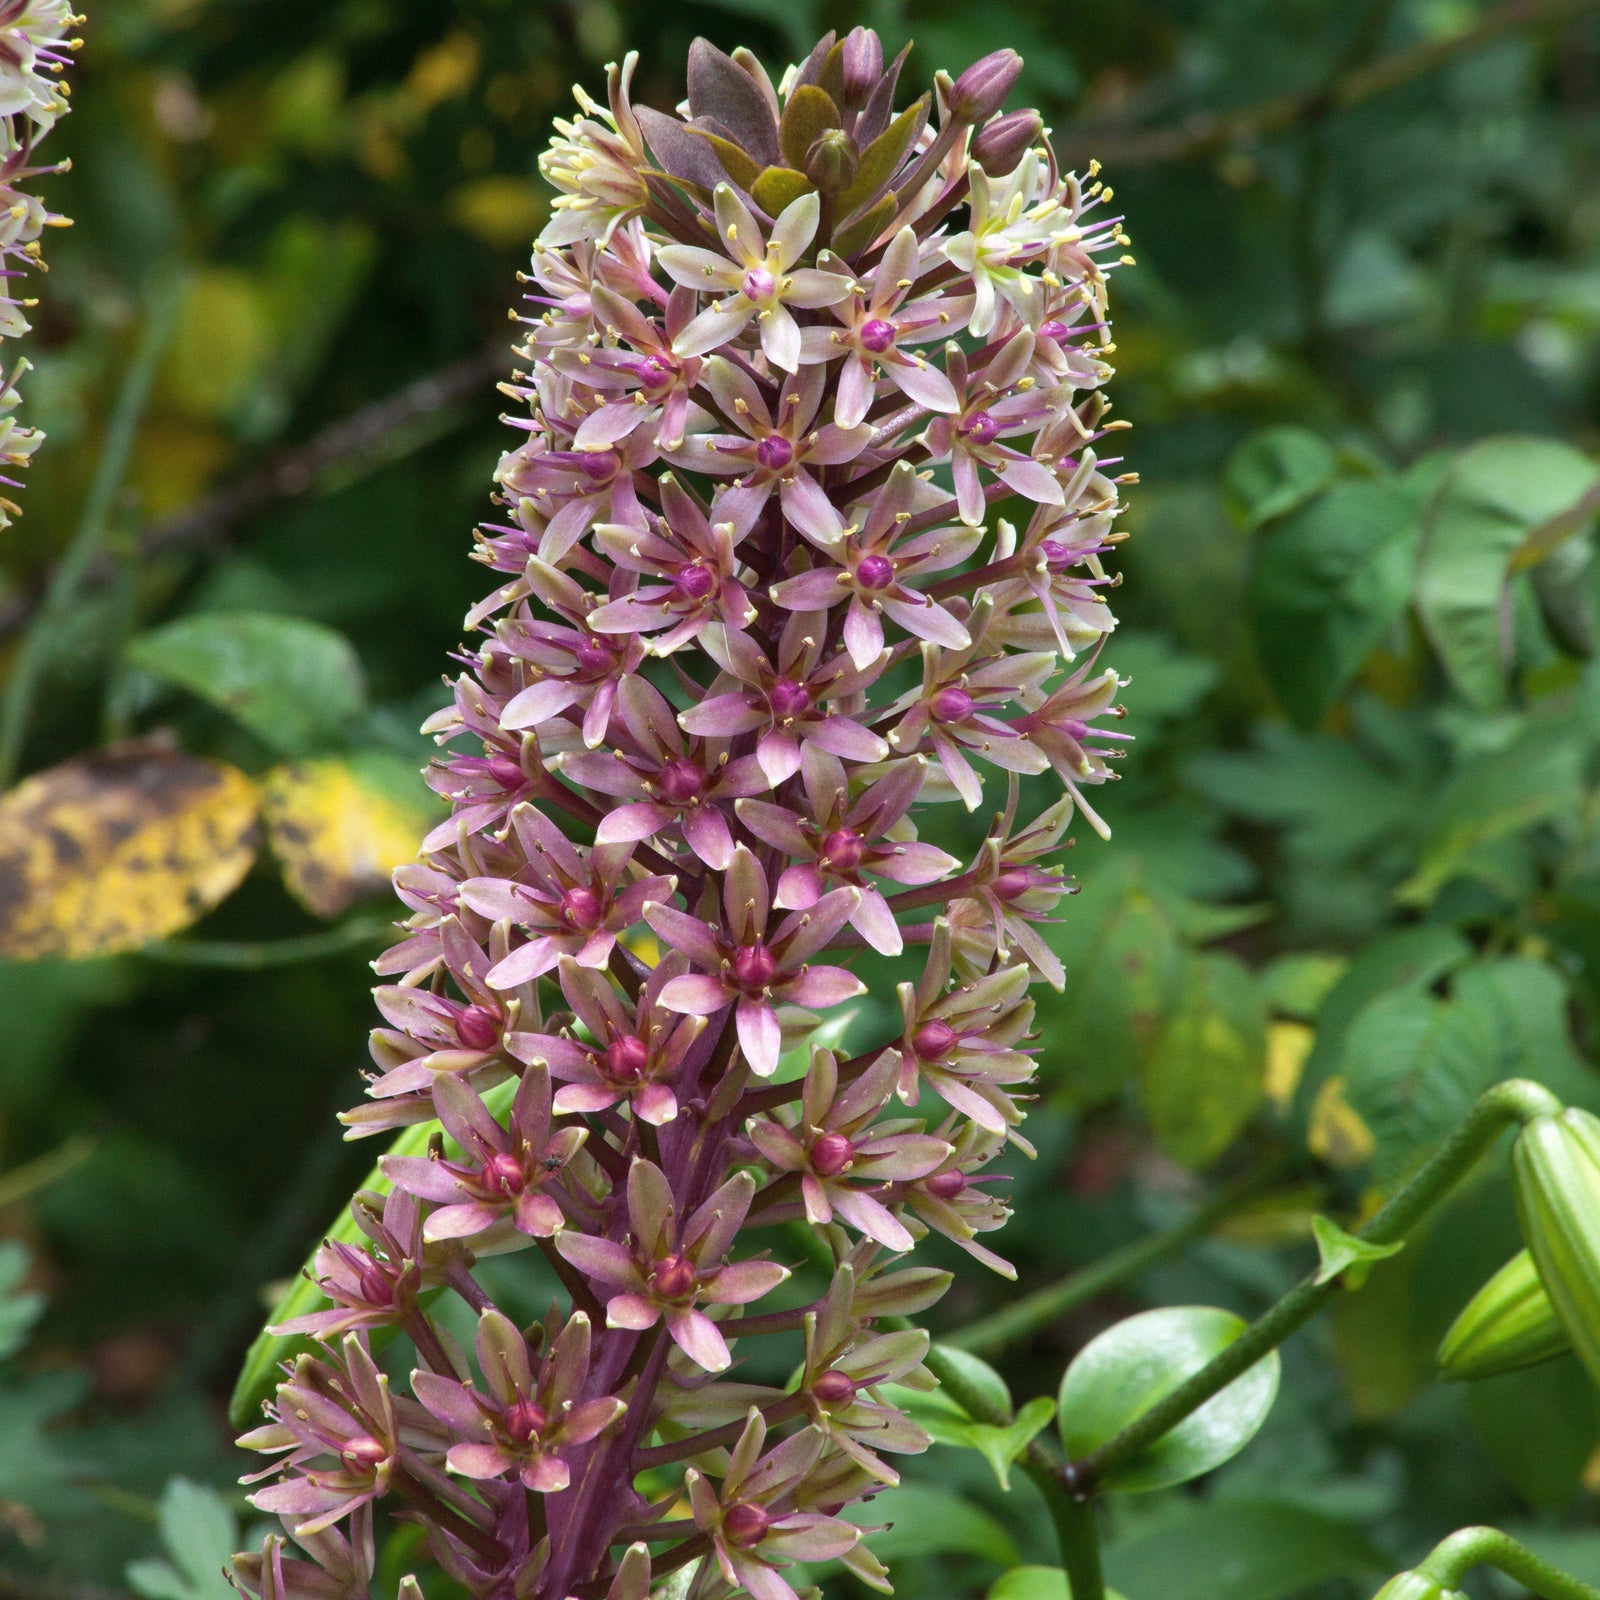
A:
{"points": [[1413, 1586], [1508, 1324], [1555, 1171]]}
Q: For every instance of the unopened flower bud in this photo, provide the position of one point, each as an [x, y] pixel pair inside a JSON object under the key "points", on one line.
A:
{"points": [[834, 1389], [832, 160], [1005, 141], [981, 90], [744, 1525], [1508, 1324], [1555, 1171], [860, 63]]}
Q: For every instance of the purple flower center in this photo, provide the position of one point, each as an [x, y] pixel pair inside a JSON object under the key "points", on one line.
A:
{"points": [[1058, 554], [759, 284], [695, 581], [598, 465], [363, 1451], [744, 1525], [946, 1185], [775, 452], [377, 1283], [580, 907], [934, 1040], [878, 335], [843, 850], [951, 705], [627, 1059], [834, 1389], [875, 572], [655, 372], [522, 1421], [507, 772], [478, 1028], [1009, 885], [502, 1174], [831, 1154], [788, 699], [981, 428], [754, 966], [674, 1278], [1055, 331], [592, 656], [682, 782]]}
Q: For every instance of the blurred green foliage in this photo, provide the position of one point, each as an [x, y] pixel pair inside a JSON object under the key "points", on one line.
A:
{"points": [[1356, 870]]}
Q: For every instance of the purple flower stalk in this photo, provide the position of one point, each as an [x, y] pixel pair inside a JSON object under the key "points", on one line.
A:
{"points": [[757, 619]]}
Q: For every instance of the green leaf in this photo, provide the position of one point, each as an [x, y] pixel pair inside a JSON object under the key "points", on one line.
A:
{"points": [[1163, 681], [1276, 472], [1327, 584], [1120, 1375], [1526, 1002], [200, 1535], [881, 159], [294, 684], [1000, 1444], [1344, 1255], [1123, 961], [1476, 527], [1414, 1064], [808, 113], [971, 1409], [778, 187], [1242, 1550], [1332, 801], [1035, 1583], [925, 1521], [1295, 985], [1204, 1077], [1491, 797], [19, 1310], [1411, 959], [1538, 1425], [989, 1394]]}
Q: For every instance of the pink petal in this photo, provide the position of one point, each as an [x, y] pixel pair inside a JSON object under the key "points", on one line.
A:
{"points": [[698, 1337]]}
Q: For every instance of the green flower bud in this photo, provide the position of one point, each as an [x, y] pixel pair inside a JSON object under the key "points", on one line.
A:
{"points": [[1555, 1171], [1413, 1586], [1509, 1323], [832, 160]]}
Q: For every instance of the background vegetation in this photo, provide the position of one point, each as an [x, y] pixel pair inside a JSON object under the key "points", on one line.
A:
{"points": [[1356, 870]]}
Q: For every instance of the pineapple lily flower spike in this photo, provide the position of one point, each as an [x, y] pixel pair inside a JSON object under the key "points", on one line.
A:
{"points": [[756, 621]]}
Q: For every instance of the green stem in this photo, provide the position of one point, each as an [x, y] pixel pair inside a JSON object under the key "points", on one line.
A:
{"points": [[33, 653], [1517, 1100], [1453, 1559], [44, 1170], [1077, 1532], [1022, 1317], [251, 956]]}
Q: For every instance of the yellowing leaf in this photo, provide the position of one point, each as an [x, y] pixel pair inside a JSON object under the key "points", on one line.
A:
{"points": [[337, 832], [1288, 1045], [118, 848], [1337, 1134], [499, 209]]}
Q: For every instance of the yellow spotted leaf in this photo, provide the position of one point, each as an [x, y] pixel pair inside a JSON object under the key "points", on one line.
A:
{"points": [[1337, 1134], [116, 849], [1288, 1045], [338, 830]]}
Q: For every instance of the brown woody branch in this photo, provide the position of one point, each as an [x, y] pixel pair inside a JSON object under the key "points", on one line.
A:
{"points": [[1207, 132], [361, 440]]}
